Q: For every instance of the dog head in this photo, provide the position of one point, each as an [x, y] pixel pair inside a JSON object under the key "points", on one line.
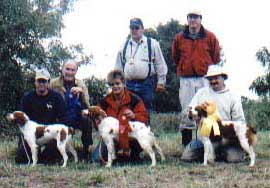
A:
{"points": [[202, 110], [18, 118], [95, 114]]}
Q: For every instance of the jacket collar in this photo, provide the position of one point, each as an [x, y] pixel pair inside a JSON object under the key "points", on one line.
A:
{"points": [[61, 80], [143, 39], [226, 89], [111, 100], [201, 34]]}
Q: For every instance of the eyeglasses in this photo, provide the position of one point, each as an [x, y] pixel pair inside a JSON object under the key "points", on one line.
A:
{"points": [[114, 84], [134, 27], [42, 81]]}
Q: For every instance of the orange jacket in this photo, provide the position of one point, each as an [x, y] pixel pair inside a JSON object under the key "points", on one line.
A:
{"points": [[193, 56], [129, 101]]}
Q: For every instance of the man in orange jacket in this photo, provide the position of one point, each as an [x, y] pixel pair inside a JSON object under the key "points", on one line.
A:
{"points": [[193, 50]]}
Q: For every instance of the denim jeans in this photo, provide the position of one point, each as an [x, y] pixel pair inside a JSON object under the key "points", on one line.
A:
{"points": [[144, 89]]}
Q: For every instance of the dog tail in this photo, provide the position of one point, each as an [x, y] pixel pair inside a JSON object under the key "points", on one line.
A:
{"points": [[253, 130], [252, 135], [71, 131]]}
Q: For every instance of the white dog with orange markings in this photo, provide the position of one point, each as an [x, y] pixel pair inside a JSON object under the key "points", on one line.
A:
{"points": [[37, 135], [108, 128], [210, 125]]}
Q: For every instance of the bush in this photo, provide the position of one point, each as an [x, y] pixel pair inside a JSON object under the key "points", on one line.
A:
{"points": [[97, 89], [165, 122], [257, 113]]}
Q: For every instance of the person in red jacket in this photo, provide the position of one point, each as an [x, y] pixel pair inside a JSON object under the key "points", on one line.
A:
{"points": [[193, 50], [121, 102]]}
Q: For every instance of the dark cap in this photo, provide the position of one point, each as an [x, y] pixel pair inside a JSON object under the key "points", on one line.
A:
{"points": [[136, 22]]}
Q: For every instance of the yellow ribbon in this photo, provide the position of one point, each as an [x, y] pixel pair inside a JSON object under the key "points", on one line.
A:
{"points": [[209, 123]]}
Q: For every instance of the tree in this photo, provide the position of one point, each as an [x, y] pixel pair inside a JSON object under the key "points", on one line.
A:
{"points": [[261, 85], [30, 38], [168, 101]]}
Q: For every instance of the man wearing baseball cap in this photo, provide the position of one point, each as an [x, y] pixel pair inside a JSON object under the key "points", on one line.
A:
{"points": [[229, 107], [141, 60], [193, 50], [44, 106]]}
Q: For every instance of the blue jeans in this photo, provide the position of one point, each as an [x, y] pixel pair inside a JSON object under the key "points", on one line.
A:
{"points": [[144, 89]]}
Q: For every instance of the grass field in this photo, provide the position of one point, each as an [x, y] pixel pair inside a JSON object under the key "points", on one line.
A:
{"points": [[171, 173]]}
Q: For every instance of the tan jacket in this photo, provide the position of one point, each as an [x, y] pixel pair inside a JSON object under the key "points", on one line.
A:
{"points": [[57, 84]]}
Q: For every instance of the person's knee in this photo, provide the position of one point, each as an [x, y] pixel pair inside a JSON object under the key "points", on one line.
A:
{"points": [[193, 151], [234, 154]]}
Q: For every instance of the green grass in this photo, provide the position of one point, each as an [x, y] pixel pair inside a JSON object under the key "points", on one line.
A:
{"points": [[171, 173]]}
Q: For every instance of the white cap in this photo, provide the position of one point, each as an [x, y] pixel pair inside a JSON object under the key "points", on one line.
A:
{"points": [[215, 70], [195, 11], [43, 74]]}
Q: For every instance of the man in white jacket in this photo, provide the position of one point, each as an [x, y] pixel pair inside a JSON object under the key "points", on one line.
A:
{"points": [[229, 107]]}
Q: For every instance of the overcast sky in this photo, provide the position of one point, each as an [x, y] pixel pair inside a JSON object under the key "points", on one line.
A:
{"points": [[242, 27]]}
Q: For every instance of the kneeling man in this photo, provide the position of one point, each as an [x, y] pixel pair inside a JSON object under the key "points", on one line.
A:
{"points": [[229, 107]]}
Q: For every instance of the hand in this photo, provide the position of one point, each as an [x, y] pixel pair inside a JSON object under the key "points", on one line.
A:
{"points": [[76, 90], [129, 114], [160, 88]]}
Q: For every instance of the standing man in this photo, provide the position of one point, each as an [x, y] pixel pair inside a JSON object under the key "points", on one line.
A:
{"points": [[193, 50], [44, 106], [140, 58], [76, 97]]}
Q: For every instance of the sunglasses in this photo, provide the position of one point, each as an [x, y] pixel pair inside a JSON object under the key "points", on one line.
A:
{"points": [[114, 84], [134, 27], [193, 16], [213, 78], [42, 81]]}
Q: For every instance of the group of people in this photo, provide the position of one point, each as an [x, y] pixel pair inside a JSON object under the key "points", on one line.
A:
{"points": [[140, 70]]}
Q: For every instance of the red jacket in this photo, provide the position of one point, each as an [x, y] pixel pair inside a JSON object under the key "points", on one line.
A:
{"points": [[129, 101], [193, 56]]}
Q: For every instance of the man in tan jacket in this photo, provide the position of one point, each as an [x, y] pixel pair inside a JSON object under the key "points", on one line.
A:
{"points": [[76, 97]]}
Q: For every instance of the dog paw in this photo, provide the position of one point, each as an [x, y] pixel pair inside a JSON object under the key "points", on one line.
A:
{"points": [[108, 165], [204, 164], [251, 165], [163, 159]]}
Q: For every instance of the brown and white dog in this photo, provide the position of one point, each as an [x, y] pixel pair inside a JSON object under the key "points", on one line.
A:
{"points": [[228, 130], [108, 128], [37, 135]]}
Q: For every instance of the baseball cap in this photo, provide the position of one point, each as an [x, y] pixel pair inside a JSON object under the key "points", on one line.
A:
{"points": [[136, 22], [42, 74]]}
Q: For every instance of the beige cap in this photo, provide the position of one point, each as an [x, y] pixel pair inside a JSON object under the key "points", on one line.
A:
{"points": [[194, 11], [42, 74], [215, 70]]}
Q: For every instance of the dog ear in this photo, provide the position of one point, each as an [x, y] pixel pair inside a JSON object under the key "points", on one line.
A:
{"points": [[95, 111], [102, 113], [201, 109]]}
